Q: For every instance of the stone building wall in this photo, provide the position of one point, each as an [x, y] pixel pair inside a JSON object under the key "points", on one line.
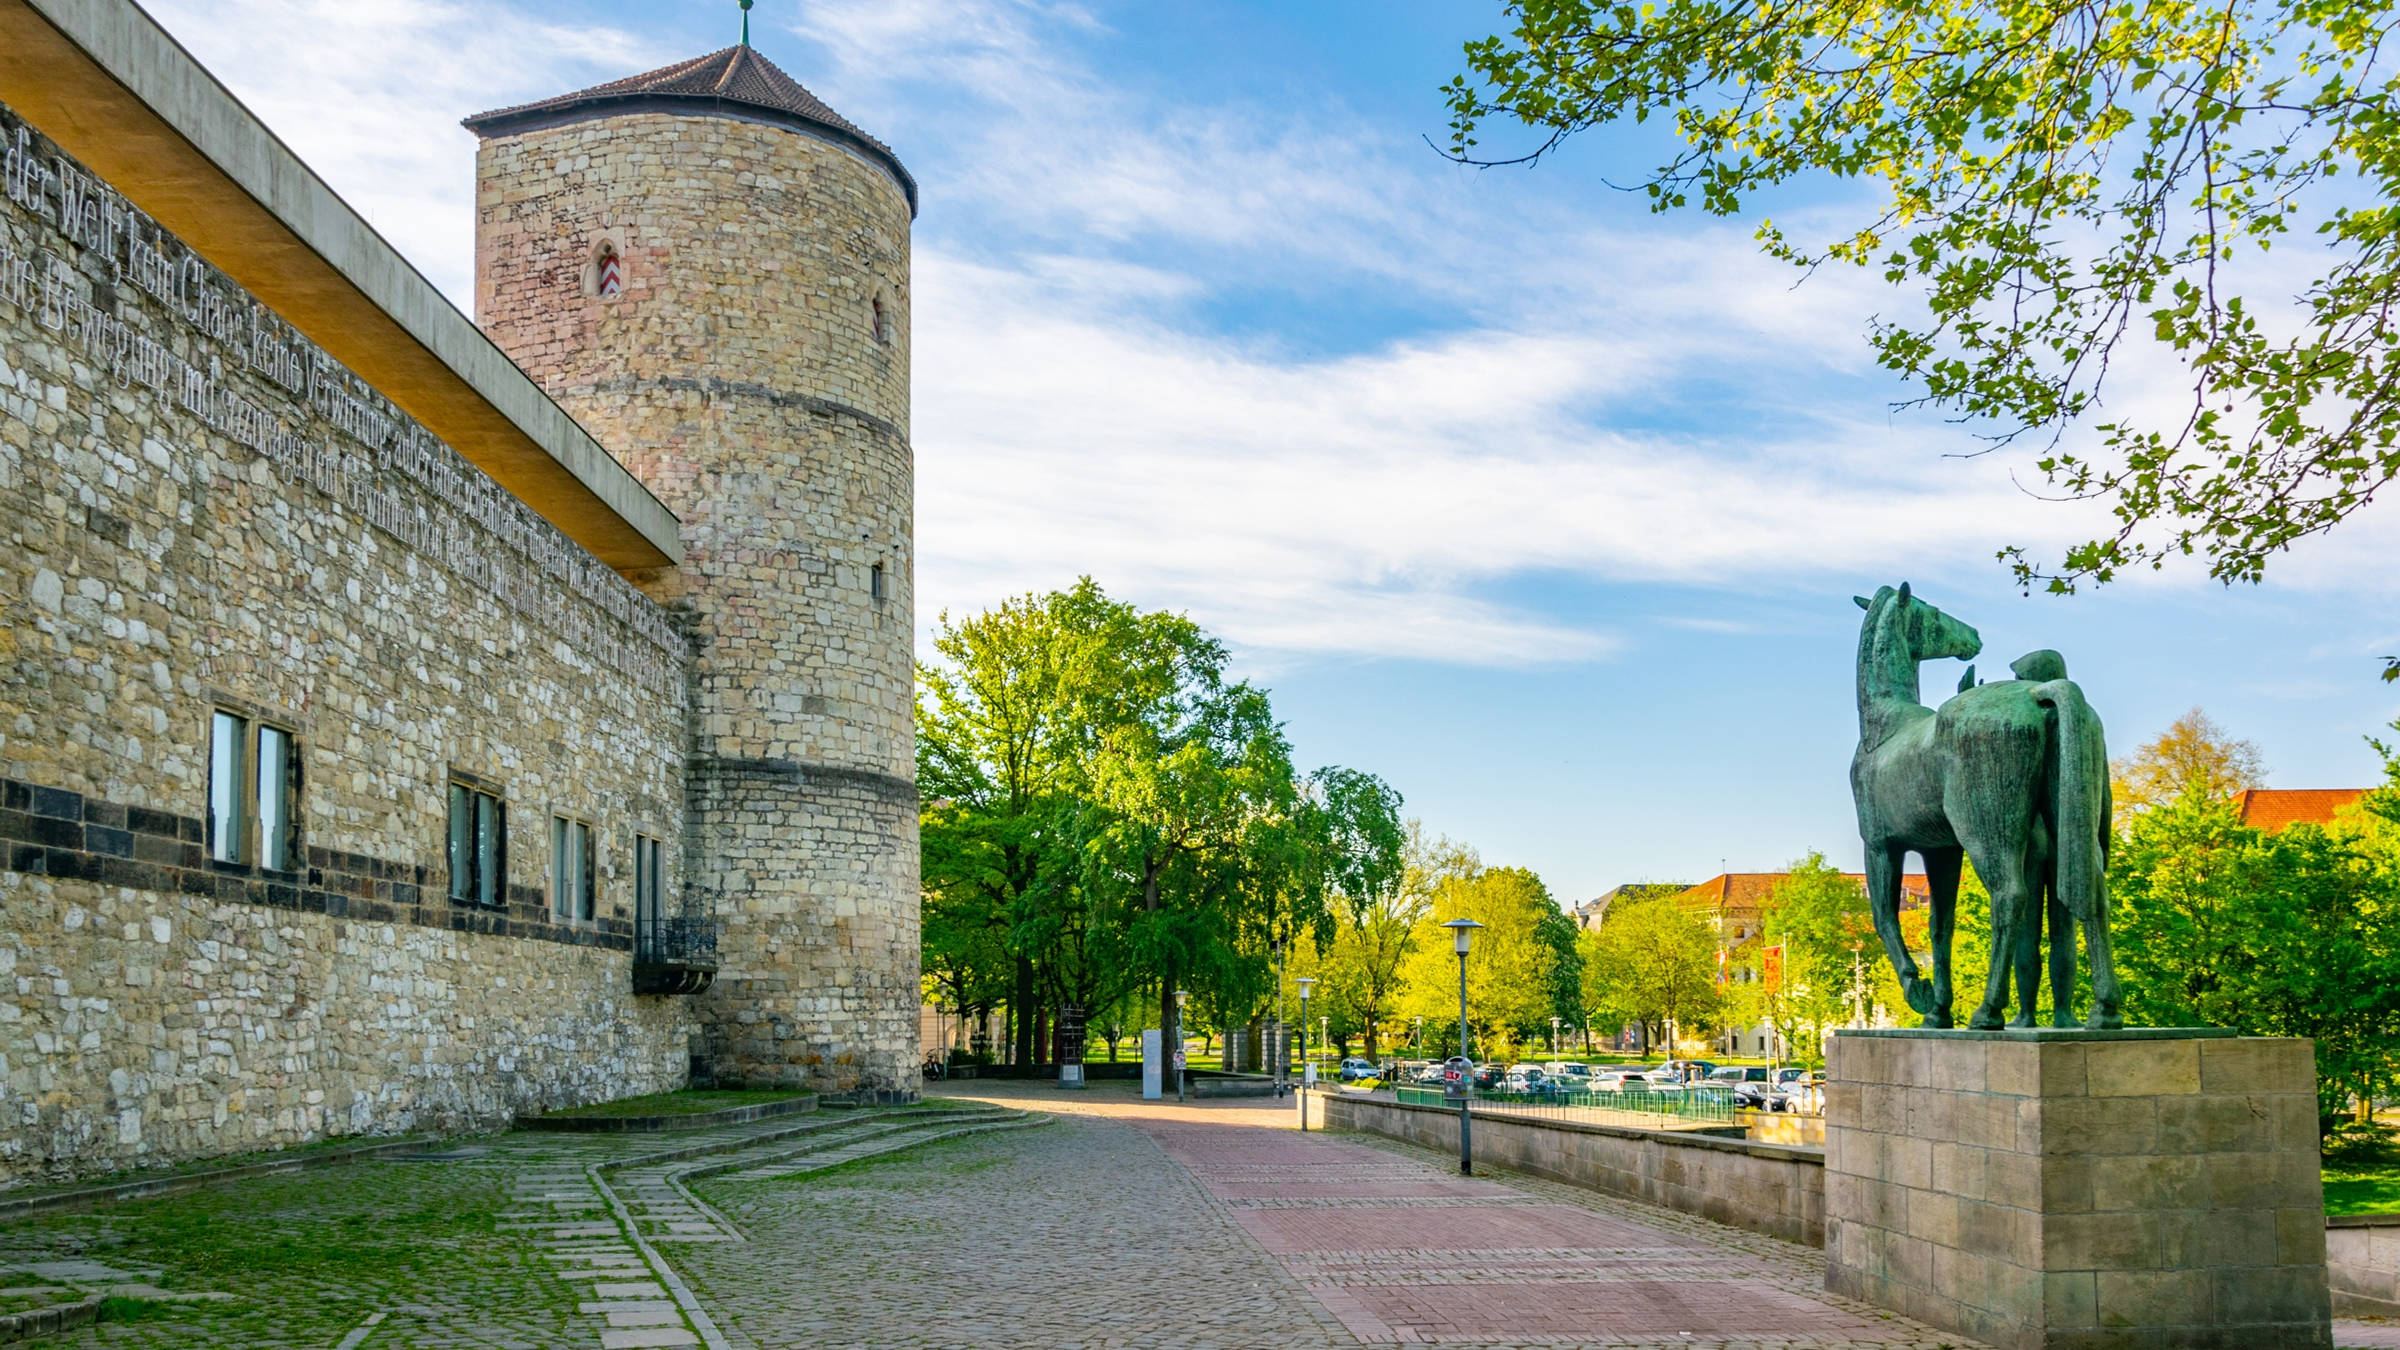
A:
{"points": [[754, 371], [201, 511]]}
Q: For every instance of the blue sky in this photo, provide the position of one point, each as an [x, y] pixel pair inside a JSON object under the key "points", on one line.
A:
{"points": [[1543, 507]]}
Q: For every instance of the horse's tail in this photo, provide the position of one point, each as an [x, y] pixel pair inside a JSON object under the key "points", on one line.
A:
{"points": [[2079, 800]]}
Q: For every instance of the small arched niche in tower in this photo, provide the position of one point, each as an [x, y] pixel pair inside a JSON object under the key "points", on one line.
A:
{"points": [[879, 316], [604, 274]]}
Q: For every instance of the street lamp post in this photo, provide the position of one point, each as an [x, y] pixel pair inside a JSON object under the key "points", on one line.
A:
{"points": [[1300, 1094], [1181, 997], [1281, 1052], [1554, 1040], [1420, 1038], [1463, 933]]}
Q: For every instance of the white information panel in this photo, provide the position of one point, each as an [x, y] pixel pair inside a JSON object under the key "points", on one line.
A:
{"points": [[1154, 1068]]}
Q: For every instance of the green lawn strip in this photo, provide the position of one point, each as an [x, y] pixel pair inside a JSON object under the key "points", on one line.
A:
{"points": [[306, 1255], [2362, 1190], [691, 1102], [219, 1162]]}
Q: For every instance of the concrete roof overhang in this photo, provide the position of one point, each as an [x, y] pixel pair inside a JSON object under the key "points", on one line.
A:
{"points": [[105, 82]]}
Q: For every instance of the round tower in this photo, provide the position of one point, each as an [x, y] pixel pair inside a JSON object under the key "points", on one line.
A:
{"points": [[708, 268]]}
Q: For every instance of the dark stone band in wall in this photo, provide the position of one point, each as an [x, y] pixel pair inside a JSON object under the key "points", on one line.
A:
{"points": [[54, 832], [782, 398], [718, 768]]}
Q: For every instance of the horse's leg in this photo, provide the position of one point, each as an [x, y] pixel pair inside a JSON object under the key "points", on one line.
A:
{"points": [[2062, 963], [2001, 870], [1941, 915], [1883, 901], [2106, 1014], [2025, 948]]}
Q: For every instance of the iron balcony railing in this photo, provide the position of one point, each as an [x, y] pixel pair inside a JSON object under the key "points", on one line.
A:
{"points": [[1676, 1108], [673, 955]]}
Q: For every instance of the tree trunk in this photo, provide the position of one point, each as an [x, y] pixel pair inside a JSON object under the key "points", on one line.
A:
{"points": [[1020, 1012]]}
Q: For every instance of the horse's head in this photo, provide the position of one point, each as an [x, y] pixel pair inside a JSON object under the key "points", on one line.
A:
{"points": [[1926, 633]]}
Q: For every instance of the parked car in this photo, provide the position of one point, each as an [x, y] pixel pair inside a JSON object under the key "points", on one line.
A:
{"points": [[1738, 1073], [1619, 1080], [1355, 1069], [1577, 1077], [1489, 1076], [1758, 1096], [1782, 1078]]}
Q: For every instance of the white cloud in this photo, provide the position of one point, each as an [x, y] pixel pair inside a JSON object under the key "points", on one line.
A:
{"points": [[369, 94], [1652, 402], [1373, 503]]}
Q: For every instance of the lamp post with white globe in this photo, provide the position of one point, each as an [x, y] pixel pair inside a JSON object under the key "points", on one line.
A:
{"points": [[1463, 935], [1300, 1093]]}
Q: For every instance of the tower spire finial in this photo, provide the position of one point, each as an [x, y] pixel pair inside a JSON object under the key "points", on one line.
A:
{"points": [[746, 22]]}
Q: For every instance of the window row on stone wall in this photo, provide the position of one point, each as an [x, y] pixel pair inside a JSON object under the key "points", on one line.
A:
{"points": [[60, 833], [253, 806]]}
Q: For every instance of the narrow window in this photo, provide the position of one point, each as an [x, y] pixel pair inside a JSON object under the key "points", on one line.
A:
{"points": [[275, 781], [228, 775], [875, 582], [491, 846], [574, 891], [880, 321], [462, 842], [645, 884], [478, 846]]}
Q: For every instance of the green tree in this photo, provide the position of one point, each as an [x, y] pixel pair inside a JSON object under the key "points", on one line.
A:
{"points": [[1819, 917], [1508, 972], [2293, 933], [2057, 180], [1373, 931], [1008, 718], [1653, 963], [2192, 750]]}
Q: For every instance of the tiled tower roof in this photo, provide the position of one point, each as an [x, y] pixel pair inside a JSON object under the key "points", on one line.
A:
{"points": [[735, 82]]}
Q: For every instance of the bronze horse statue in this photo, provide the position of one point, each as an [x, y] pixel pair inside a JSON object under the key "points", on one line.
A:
{"points": [[2012, 775]]}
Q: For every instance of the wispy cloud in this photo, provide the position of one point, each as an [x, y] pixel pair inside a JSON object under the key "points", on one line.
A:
{"points": [[369, 94], [1138, 353]]}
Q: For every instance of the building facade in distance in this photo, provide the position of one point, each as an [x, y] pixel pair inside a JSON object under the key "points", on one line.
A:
{"points": [[409, 725]]}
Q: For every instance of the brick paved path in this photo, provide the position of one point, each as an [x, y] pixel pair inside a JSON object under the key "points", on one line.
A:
{"points": [[1216, 1225]]}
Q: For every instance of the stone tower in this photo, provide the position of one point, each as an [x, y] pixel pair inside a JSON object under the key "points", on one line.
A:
{"points": [[708, 268]]}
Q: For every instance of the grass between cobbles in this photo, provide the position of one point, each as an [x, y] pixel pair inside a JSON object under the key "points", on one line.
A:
{"points": [[308, 1255], [690, 1102]]}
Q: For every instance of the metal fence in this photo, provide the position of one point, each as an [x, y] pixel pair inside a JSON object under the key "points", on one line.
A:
{"points": [[1674, 1109]]}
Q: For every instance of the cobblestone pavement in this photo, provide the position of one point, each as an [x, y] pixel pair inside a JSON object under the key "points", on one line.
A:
{"points": [[1118, 1224], [500, 1244]]}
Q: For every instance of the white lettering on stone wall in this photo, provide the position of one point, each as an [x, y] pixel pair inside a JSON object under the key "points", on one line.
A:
{"points": [[532, 562]]}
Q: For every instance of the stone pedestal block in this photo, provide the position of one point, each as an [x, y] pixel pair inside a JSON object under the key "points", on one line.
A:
{"points": [[2073, 1190]]}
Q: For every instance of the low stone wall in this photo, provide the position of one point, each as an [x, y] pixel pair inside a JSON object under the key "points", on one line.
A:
{"points": [[1202, 1083], [2362, 1257], [1765, 1188]]}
